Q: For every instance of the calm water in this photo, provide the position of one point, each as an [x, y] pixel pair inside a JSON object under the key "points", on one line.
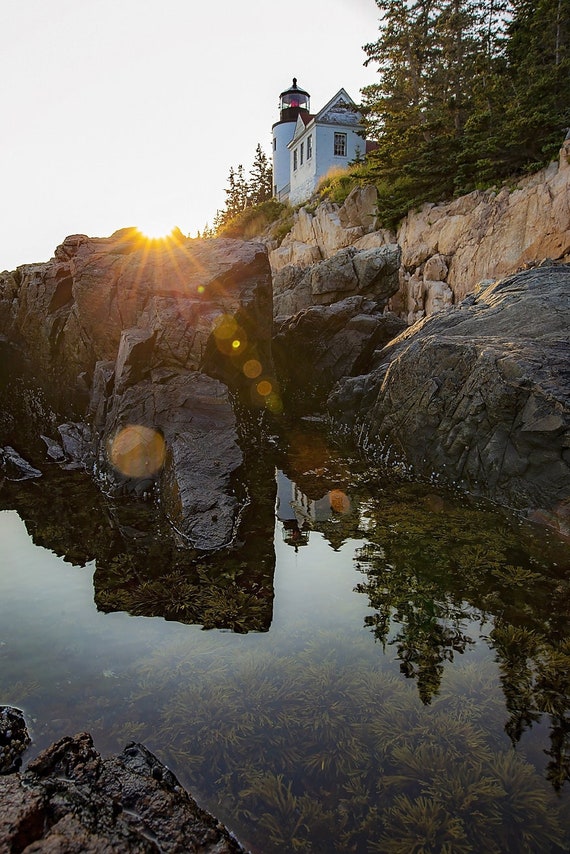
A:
{"points": [[411, 684]]}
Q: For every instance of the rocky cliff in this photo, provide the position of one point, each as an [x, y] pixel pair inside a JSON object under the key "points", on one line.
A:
{"points": [[136, 355], [446, 249]]}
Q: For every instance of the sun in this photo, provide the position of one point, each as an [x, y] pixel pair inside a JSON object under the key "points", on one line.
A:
{"points": [[156, 230]]}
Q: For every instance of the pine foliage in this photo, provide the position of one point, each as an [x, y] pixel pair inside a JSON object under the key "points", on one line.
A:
{"points": [[242, 193], [469, 93]]}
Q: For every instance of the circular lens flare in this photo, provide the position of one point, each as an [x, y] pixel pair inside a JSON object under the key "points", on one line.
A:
{"points": [[137, 451], [264, 388], [225, 327], [252, 369], [340, 502]]}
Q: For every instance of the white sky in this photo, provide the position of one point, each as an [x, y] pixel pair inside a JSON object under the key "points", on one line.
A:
{"points": [[130, 112]]}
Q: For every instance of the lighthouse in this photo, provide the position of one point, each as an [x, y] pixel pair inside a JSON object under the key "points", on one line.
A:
{"points": [[293, 103]]}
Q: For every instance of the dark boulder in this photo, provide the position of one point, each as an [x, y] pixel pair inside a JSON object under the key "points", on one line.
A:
{"points": [[478, 395], [71, 799], [14, 738], [321, 344]]}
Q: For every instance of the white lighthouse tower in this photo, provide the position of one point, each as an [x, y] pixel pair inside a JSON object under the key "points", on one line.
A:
{"points": [[293, 102]]}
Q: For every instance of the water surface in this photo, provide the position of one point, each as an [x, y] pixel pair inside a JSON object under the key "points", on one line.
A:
{"points": [[407, 678]]}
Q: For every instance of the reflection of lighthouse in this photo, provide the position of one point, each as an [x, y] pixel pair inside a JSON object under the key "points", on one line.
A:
{"points": [[297, 512]]}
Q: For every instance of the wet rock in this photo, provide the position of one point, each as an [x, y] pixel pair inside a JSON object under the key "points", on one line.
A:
{"points": [[477, 394], [71, 799], [140, 351], [15, 467], [14, 738]]}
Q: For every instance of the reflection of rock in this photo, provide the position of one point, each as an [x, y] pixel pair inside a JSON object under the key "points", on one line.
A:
{"points": [[478, 394], [157, 335], [140, 567], [70, 799]]}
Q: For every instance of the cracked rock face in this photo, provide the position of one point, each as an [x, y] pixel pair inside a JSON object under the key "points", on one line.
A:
{"points": [[479, 394], [139, 349], [71, 799]]}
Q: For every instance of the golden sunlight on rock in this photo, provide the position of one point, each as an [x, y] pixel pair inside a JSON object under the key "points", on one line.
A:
{"points": [[339, 501], [137, 451]]}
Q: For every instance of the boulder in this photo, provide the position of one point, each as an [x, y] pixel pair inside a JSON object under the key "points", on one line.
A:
{"points": [[71, 799], [321, 344], [14, 738], [369, 272], [359, 209], [15, 467], [478, 394]]}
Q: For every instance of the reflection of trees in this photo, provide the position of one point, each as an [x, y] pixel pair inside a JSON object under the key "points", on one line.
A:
{"points": [[430, 626], [437, 567]]}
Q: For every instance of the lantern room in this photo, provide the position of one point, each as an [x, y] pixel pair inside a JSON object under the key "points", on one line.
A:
{"points": [[292, 101]]}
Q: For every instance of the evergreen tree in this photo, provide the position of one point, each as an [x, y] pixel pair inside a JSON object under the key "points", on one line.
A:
{"points": [[260, 187], [469, 92], [241, 193]]}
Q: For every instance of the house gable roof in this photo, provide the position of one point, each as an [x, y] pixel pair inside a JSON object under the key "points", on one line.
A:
{"points": [[341, 109], [300, 127]]}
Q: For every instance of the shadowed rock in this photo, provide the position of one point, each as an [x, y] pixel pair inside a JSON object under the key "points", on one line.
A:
{"points": [[318, 346], [70, 799]]}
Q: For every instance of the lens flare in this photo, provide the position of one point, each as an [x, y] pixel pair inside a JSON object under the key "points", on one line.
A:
{"points": [[137, 451], [225, 327], [264, 388], [252, 369], [274, 403], [340, 502], [230, 338]]}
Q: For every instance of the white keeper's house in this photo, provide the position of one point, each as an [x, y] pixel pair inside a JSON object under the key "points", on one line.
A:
{"points": [[306, 146]]}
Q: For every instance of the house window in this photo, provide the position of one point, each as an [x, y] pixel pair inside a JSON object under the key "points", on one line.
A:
{"points": [[294, 160], [309, 146], [302, 152], [340, 145]]}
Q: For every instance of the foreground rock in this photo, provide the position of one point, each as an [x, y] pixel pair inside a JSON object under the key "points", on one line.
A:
{"points": [[134, 352], [70, 799], [478, 394]]}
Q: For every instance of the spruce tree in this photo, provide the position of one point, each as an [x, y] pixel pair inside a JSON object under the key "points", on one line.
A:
{"points": [[260, 187]]}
